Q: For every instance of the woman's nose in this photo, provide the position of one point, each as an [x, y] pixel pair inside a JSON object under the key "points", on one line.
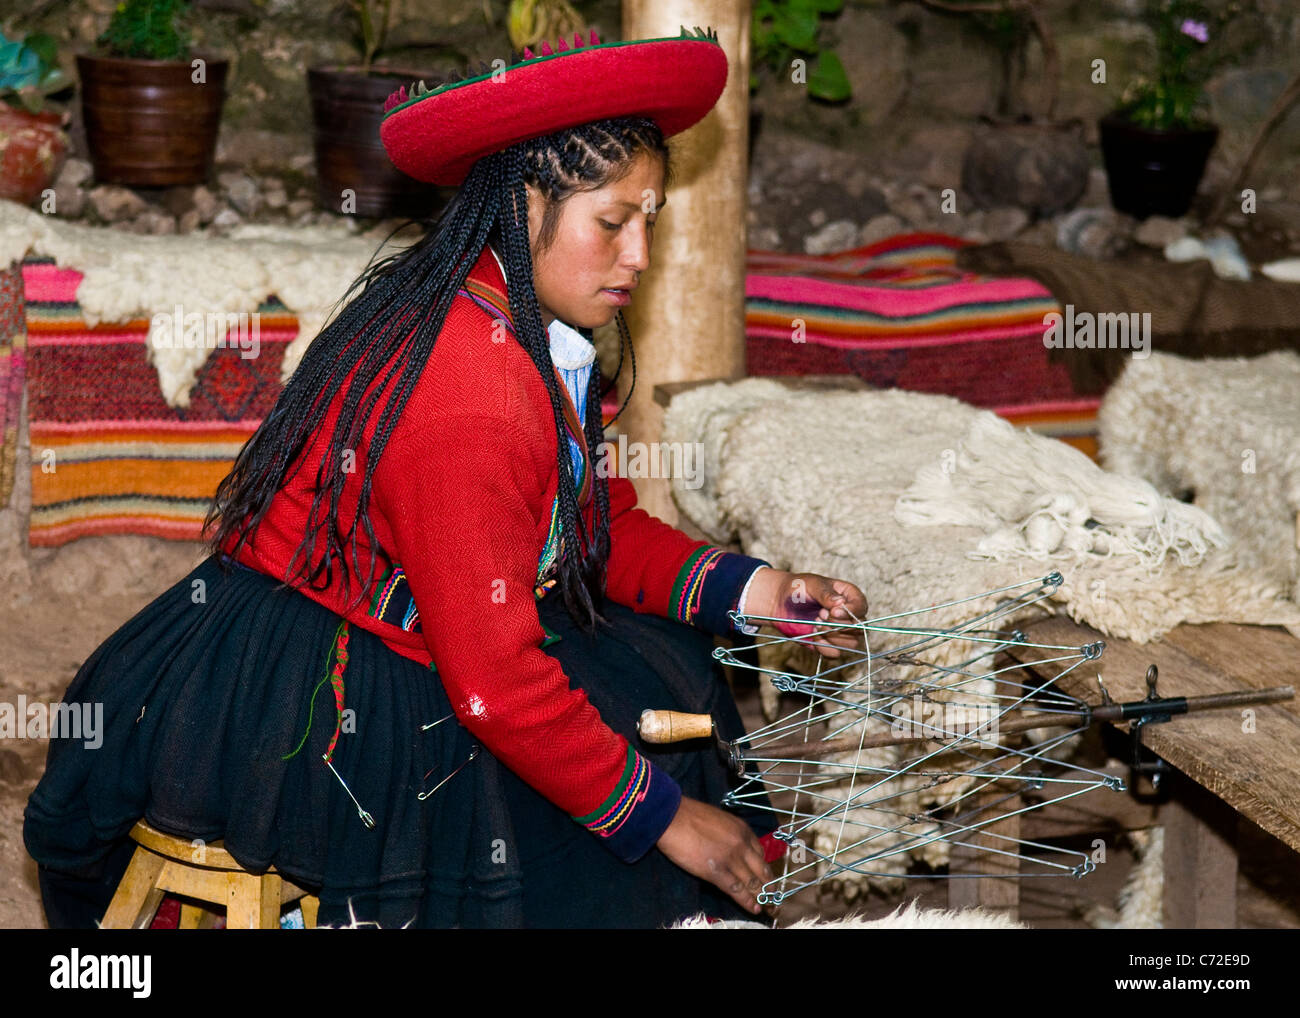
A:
{"points": [[636, 254]]}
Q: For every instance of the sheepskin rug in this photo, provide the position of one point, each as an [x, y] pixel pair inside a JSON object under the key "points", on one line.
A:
{"points": [[815, 481], [1227, 430], [852, 484], [129, 276], [905, 917]]}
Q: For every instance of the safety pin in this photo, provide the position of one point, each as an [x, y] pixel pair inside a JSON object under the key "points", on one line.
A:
{"points": [[366, 818], [434, 724], [424, 795]]}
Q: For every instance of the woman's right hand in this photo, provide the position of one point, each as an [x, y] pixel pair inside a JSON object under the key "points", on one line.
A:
{"points": [[717, 847]]}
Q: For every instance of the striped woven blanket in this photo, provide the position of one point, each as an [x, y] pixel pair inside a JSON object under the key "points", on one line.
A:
{"points": [[900, 314], [109, 456]]}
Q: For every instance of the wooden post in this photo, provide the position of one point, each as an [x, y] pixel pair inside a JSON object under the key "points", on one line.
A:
{"points": [[1200, 858], [687, 318]]}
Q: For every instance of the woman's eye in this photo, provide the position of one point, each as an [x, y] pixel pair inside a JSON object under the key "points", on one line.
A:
{"points": [[611, 226]]}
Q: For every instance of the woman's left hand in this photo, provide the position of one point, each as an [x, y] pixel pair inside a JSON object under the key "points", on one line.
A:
{"points": [[810, 596]]}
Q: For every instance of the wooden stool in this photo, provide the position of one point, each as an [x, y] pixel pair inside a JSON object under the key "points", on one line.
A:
{"points": [[207, 873]]}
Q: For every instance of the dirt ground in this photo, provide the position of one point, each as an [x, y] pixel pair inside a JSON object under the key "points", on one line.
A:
{"points": [[58, 605]]}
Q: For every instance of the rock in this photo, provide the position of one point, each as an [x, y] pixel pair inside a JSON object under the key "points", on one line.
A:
{"points": [[917, 206], [1097, 193], [206, 204], [188, 222], [1226, 258], [69, 202], [241, 191], [1095, 233], [880, 227], [152, 221], [1185, 249], [113, 204], [817, 218], [1005, 223], [1285, 270], [275, 196], [178, 200], [75, 173], [834, 236], [69, 197], [1160, 231], [765, 238], [1041, 169], [226, 219], [300, 207], [875, 58], [943, 148]]}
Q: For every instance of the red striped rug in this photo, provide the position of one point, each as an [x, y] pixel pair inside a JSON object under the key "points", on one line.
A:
{"points": [[109, 456], [900, 314]]}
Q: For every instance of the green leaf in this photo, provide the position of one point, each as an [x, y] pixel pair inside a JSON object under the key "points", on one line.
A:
{"points": [[827, 79], [798, 30], [44, 47]]}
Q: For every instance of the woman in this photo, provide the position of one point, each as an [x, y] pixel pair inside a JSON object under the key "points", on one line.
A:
{"points": [[421, 499]]}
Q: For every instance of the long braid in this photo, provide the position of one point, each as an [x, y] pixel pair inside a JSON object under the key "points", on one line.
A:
{"points": [[386, 333]]}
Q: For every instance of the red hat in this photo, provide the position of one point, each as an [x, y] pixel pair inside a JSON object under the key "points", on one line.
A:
{"points": [[437, 135]]}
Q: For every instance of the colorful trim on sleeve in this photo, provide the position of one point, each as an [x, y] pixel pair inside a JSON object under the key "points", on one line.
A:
{"points": [[708, 586], [637, 812]]}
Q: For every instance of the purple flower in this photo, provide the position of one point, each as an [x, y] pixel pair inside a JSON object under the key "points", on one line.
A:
{"points": [[1196, 29]]}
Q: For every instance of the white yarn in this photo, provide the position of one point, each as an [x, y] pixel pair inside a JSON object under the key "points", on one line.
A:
{"points": [[1040, 499]]}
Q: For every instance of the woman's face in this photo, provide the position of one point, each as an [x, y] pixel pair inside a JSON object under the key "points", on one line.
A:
{"points": [[602, 244]]}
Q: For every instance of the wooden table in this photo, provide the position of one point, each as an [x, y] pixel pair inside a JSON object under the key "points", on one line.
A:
{"points": [[1234, 762]]}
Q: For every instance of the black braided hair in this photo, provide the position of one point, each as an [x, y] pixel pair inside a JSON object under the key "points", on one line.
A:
{"points": [[394, 312]]}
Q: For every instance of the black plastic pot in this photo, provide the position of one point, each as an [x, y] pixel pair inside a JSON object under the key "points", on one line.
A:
{"points": [[1153, 172]]}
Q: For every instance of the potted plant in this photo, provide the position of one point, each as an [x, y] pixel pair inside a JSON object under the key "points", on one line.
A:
{"points": [[353, 172], [1156, 145], [151, 106], [32, 140]]}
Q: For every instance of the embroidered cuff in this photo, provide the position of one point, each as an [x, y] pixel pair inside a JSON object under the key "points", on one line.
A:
{"points": [[708, 586], [637, 812]]}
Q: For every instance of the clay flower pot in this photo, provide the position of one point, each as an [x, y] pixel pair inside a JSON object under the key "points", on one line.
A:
{"points": [[347, 108], [32, 149], [148, 122]]}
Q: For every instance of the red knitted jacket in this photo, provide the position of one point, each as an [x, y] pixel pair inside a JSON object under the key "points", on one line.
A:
{"points": [[461, 508]]}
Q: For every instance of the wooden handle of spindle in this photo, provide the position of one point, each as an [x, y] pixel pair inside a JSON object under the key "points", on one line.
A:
{"points": [[663, 726]]}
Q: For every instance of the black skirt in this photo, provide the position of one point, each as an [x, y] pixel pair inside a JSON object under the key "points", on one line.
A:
{"points": [[215, 720]]}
